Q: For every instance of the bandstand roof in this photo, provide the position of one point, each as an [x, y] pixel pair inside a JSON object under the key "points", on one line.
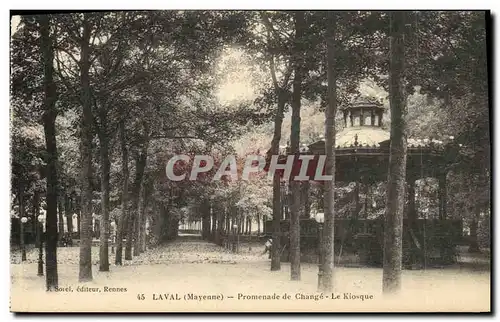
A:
{"points": [[362, 152], [363, 101], [366, 136]]}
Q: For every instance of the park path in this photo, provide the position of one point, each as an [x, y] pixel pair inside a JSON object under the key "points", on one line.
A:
{"points": [[191, 265], [185, 249], [191, 248]]}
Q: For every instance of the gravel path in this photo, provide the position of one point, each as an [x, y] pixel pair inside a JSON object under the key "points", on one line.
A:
{"points": [[196, 268]]}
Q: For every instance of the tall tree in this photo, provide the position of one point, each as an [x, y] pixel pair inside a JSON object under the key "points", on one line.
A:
{"points": [[85, 273], [134, 221], [122, 224], [396, 181], [327, 247], [105, 190], [113, 69], [298, 59], [281, 91], [146, 196], [49, 120]]}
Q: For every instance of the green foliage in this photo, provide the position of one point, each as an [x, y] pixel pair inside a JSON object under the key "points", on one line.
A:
{"points": [[163, 73]]}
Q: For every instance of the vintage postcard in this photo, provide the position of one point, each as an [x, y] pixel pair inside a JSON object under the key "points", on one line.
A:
{"points": [[250, 161]]}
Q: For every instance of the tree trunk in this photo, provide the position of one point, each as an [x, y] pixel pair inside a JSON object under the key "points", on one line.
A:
{"points": [[144, 234], [22, 225], [174, 227], [474, 224], [325, 278], [225, 220], [442, 195], [69, 217], [36, 212], [274, 151], [220, 224], [85, 273], [143, 209], [49, 120], [136, 233], [155, 224], [258, 225], [412, 224], [60, 216], [214, 224], [105, 174], [305, 199], [140, 165], [294, 147], [122, 227], [139, 222], [165, 224], [393, 228], [205, 227], [79, 222], [76, 202], [170, 222], [286, 197]]}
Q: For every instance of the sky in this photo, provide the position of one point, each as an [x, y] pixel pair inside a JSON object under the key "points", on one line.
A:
{"points": [[237, 78], [14, 23]]}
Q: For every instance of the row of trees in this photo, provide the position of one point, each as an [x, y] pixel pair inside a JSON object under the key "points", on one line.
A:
{"points": [[126, 85], [117, 94], [402, 51]]}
